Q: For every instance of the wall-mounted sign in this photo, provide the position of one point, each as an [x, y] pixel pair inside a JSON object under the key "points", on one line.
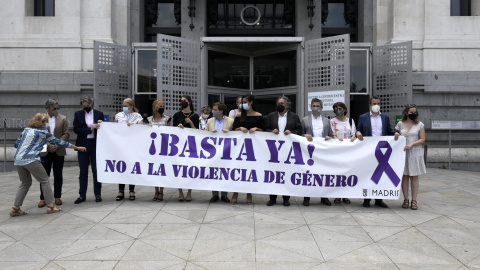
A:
{"points": [[328, 97], [447, 124]]}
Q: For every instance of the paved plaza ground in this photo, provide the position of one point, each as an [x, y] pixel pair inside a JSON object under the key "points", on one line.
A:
{"points": [[443, 234]]}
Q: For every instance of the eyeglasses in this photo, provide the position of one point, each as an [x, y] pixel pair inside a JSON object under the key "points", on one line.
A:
{"points": [[55, 109], [412, 105]]}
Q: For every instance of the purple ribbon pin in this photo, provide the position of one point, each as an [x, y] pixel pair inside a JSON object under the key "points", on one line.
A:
{"points": [[383, 165]]}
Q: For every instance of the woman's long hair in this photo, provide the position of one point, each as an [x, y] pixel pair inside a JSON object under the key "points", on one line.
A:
{"points": [[243, 115], [155, 103], [189, 101], [405, 113], [131, 102]]}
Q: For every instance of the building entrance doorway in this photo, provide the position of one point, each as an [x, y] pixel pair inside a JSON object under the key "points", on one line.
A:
{"points": [[265, 68]]}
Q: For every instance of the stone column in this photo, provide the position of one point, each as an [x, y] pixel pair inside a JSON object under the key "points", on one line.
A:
{"points": [[302, 21], [199, 21]]}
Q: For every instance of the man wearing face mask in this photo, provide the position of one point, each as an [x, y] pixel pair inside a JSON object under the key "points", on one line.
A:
{"points": [[217, 123], [317, 126], [374, 123], [85, 125], [285, 122], [55, 155]]}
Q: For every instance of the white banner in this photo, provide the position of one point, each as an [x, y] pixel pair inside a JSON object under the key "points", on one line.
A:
{"points": [[251, 163]]}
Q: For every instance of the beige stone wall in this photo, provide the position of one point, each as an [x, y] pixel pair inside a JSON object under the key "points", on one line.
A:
{"points": [[63, 42], [441, 42]]}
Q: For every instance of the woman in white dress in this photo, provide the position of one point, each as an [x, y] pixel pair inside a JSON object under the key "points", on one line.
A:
{"points": [[414, 131]]}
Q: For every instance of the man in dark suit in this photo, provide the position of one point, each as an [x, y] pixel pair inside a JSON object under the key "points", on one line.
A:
{"points": [[55, 154], [85, 125], [315, 125], [374, 123], [286, 122]]}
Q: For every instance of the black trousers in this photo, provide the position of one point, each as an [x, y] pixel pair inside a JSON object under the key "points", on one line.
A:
{"points": [[274, 198], [84, 158], [376, 200], [121, 187], [55, 161]]}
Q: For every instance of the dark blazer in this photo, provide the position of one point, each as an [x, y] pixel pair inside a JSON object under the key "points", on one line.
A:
{"points": [[80, 126], [365, 125], [293, 123]]}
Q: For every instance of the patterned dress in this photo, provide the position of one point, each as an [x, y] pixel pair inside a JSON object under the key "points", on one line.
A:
{"points": [[414, 162]]}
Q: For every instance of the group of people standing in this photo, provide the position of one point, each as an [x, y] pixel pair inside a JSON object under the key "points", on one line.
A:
{"points": [[43, 142]]}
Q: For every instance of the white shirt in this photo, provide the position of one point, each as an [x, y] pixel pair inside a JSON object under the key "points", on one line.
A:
{"points": [[282, 122], [233, 113], [317, 126], [51, 122], [376, 124], [342, 129], [133, 117], [203, 123], [89, 122]]}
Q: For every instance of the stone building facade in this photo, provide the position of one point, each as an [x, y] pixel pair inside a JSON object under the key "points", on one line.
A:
{"points": [[45, 57]]}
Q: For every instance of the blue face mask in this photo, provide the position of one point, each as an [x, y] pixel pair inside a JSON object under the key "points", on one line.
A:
{"points": [[245, 106], [125, 110]]}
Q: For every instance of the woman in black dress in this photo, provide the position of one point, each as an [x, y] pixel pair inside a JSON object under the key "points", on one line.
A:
{"points": [[247, 120], [186, 118]]}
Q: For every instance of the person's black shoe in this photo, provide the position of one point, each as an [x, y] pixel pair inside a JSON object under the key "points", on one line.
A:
{"points": [[98, 199], [225, 199], [381, 204], [366, 204], [270, 203], [286, 203], [79, 200], [214, 199], [326, 201]]}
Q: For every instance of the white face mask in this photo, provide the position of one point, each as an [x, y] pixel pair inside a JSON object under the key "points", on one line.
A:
{"points": [[375, 108], [205, 116]]}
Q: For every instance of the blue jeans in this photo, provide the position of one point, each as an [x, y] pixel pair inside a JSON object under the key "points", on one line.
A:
{"points": [[83, 159]]}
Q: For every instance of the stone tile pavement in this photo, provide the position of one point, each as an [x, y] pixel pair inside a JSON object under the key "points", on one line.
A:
{"points": [[443, 234]]}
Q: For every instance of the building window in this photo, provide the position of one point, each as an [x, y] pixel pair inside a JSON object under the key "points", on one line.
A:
{"points": [[339, 18], [228, 70], [275, 70], [162, 17], [250, 18], [460, 8], [44, 8], [146, 71]]}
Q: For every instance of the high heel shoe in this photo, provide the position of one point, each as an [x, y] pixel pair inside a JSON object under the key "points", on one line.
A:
{"points": [[249, 198], [405, 204], [16, 211], [120, 197], [234, 198], [53, 209]]}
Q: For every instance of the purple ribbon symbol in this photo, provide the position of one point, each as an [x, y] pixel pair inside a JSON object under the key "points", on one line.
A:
{"points": [[383, 165]]}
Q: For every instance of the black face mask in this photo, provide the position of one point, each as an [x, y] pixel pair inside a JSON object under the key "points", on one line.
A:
{"points": [[87, 109], [184, 104], [280, 108], [412, 116], [161, 110]]}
